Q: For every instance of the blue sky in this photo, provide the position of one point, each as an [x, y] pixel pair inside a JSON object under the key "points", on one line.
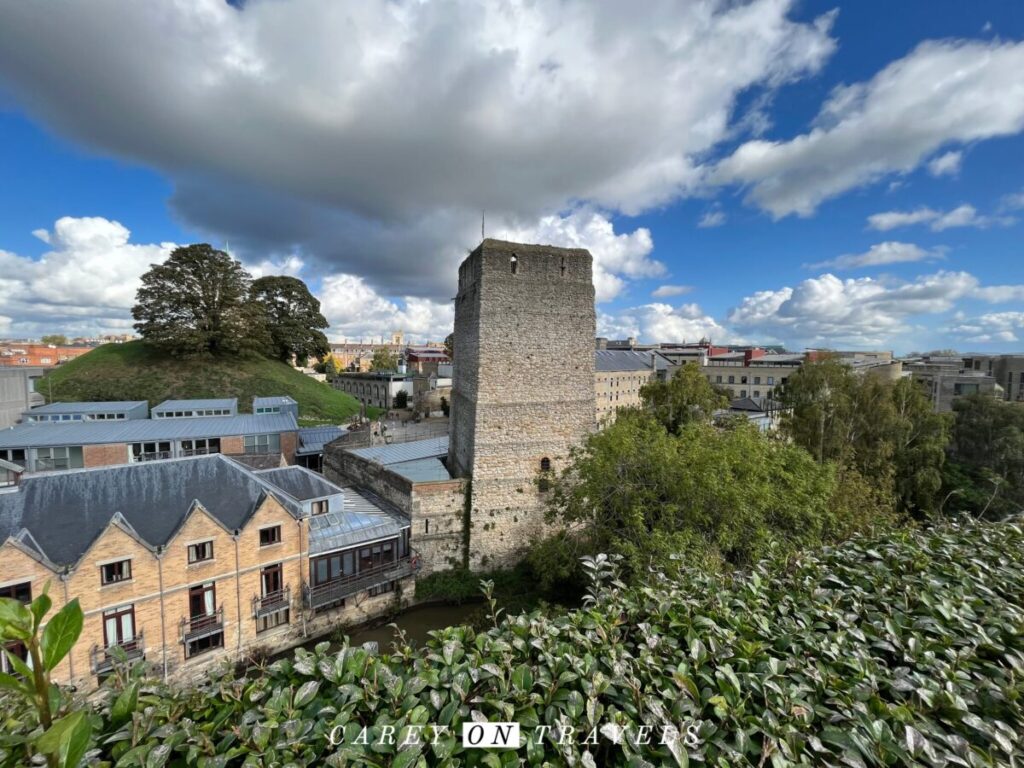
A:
{"points": [[808, 173]]}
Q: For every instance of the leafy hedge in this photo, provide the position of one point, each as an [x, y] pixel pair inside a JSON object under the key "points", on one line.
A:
{"points": [[898, 650]]}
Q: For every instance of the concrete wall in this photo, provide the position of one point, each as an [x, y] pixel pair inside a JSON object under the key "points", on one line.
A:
{"points": [[523, 384]]}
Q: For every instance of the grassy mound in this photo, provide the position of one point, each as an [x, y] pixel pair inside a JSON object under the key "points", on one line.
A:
{"points": [[137, 371]]}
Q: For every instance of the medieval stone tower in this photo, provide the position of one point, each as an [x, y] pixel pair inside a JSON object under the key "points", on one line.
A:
{"points": [[523, 385]]}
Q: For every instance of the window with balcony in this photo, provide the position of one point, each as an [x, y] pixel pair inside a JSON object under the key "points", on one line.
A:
{"points": [[65, 457], [201, 552], [273, 607], [13, 455], [200, 447], [112, 573], [151, 451], [262, 443], [271, 535], [119, 626], [203, 630]]}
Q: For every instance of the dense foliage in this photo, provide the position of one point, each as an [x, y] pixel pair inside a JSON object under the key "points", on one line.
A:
{"points": [[881, 430], [197, 301], [138, 371], [898, 650], [383, 360], [986, 467], [682, 399], [661, 483], [292, 317]]}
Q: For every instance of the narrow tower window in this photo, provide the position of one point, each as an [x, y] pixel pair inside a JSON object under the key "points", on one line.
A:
{"points": [[563, 266], [513, 263]]}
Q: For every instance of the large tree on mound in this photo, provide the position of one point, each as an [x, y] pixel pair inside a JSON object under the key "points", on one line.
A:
{"points": [[292, 317], [198, 302]]}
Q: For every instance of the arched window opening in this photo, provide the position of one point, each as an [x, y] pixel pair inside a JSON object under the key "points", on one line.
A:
{"points": [[563, 266], [544, 481], [513, 263], [545, 464]]}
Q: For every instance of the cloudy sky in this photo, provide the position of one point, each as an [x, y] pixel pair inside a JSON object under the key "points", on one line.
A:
{"points": [[842, 173]]}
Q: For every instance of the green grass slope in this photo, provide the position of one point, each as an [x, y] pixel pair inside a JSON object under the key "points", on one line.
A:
{"points": [[137, 371]]}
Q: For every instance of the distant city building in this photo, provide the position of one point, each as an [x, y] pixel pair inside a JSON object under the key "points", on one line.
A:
{"points": [[754, 373], [18, 393], [1007, 370], [619, 375], [38, 355], [376, 389], [945, 379]]}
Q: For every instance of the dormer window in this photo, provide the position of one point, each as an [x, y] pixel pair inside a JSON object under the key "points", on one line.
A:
{"points": [[319, 507], [513, 263]]}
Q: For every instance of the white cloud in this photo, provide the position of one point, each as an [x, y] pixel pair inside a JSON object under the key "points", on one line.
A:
{"points": [[942, 92], [617, 257], [663, 322], [947, 164], [291, 266], [367, 135], [665, 291], [84, 284], [1012, 202], [965, 215], [711, 219], [865, 311], [889, 252], [992, 327], [358, 313]]}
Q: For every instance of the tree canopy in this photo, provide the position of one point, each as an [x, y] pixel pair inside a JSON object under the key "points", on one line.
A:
{"points": [[383, 360], [202, 301], [684, 398], [292, 317], [55, 339], [884, 431]]}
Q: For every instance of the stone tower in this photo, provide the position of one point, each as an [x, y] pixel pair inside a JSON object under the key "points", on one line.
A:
{"points": [[523, 385]]}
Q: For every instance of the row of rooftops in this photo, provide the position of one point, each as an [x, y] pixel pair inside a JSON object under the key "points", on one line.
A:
{"points": [[59, 515], [128, 410]]}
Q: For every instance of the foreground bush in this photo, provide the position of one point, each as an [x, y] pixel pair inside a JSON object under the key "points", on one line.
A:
{"points": [[906, 650]]}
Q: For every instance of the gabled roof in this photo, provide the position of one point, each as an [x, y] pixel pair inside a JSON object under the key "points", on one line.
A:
{"points": [[64, 512]]}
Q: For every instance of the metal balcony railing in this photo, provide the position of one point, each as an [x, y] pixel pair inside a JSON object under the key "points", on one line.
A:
{"points": [[151, 456], [334, 591], [271, 603], [198, 451], [102, 659], [198, 627]]}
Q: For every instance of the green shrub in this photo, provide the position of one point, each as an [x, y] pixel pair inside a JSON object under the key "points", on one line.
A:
{"points": [[902, 649]]}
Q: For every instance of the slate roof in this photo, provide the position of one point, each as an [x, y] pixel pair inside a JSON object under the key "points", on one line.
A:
{"points": [[422, 470], [299, 483], [746, 404], [399, 452], [313, 439], [64, 512], [621, 360], [136, 430], [197, 404], [113, 406]]}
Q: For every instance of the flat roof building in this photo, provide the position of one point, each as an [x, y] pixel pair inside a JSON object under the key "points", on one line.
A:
{"points": [[183, 409], [115, 410]]}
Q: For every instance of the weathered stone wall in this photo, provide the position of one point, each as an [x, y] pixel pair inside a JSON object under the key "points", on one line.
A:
{"points": [[435, 509], [523, 384]]}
